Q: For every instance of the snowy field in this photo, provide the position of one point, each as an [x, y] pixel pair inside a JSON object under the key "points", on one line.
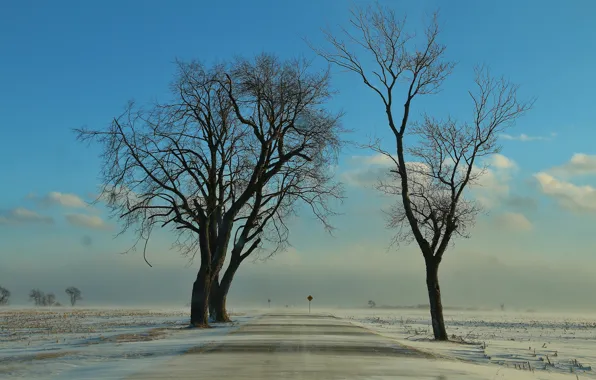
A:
{"points": [[528, 342], [97, 343], [104, 343]]}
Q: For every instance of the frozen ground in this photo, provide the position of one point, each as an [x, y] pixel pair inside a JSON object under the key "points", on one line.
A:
{"points": [[142, 344], [529, 342], [318, 346], [96, 343]]}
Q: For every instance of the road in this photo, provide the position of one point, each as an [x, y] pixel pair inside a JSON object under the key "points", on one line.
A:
{"points": [[300, 346]]}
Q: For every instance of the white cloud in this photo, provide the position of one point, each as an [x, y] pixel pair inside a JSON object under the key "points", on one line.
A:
{"points": [[375, 159], [370, 169], [109, 193], [492, 181], [368, 177], [87, 221], [23, 216], [513, 221], [579, 164], [569, 196], [489, 189], [525, 138], [367, 170], [493, 185], [64, 199], [501, 162]]}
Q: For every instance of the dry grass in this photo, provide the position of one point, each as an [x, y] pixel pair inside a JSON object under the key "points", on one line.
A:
{"points": [[38, 356], [49, 355], [24, 325], [196, 350], [153, 334]]}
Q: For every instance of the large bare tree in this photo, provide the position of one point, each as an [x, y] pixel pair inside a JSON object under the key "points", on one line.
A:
{"points": [[300, 184], [205, 163], [431, 176]]}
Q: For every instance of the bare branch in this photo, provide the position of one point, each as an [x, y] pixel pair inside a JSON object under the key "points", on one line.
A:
{"points": [[432, 207], [240, 147]]}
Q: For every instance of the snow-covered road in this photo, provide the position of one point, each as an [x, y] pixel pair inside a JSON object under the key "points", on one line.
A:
{"points": [[284, 344], [318, 346]]}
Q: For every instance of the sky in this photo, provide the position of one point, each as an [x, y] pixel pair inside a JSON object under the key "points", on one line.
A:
{"points": [[69, 64]]}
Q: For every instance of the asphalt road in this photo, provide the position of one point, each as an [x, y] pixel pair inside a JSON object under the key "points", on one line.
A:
{"points": [[297, 346]]}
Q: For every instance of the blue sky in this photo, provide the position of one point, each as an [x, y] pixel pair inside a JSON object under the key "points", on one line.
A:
{"points": [[67, 64]]}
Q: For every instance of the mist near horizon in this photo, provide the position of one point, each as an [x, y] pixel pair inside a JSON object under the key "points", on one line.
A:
{"points": [[469, 280]]}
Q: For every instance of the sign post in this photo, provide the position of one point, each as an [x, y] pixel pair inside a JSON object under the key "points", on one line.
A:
{"points": [[309, 298]]}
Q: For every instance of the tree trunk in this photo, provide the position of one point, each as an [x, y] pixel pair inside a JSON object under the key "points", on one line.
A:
{"points": [[219, 294], [434, 296], [212, 297], [217, 305], [199, 304]]}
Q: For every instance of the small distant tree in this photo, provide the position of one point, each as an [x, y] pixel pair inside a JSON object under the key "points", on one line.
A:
{"points": [[49, 299], [4, 296], [74, 294], [37, 296], [372, 303], [502, 307]]}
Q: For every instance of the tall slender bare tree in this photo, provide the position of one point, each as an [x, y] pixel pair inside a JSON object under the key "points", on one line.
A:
{"points": [[429, 178], [199, 162]]}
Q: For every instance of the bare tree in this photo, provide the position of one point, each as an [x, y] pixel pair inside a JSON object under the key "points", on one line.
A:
{"points": [[205, 162], [74, 294], [304, 182], [49, 299], [432, 208], [4, 296], [37, 296], [265, 228]]}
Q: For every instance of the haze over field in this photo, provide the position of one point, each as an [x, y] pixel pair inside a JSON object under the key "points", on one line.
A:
{"points": [[534, 249]]}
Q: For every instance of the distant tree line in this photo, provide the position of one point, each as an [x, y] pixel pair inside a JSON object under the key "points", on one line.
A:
{"points": [[40, 298]]}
